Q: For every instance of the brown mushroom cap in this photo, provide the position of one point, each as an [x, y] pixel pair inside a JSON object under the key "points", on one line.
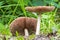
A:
{"points": [[40, 8], [21, 23]]}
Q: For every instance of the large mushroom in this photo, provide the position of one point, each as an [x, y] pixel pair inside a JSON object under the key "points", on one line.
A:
{"points": [[23, 25], [39, 10]]}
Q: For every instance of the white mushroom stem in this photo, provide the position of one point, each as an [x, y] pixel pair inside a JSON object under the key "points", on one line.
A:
{"points": [[38, 25], [26, 32]]}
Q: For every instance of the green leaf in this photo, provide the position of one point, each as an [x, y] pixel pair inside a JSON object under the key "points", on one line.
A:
{"points": [[55, 0], [17, 33], [59, 5], [38, 2], [1, 3], [1, 26]]}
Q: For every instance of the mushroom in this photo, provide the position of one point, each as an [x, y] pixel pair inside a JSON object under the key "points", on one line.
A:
{"points": [[39, 10], [26, 25], [23, 25]]}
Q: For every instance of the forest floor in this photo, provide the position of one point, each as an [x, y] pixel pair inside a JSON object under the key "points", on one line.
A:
{"points": [[39, 37]]}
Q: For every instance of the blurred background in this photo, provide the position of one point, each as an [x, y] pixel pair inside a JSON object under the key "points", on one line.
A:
{"points": [[11, 9]]}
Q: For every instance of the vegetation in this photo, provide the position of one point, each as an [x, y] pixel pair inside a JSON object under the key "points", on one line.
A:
{"points": [[11, 9]]}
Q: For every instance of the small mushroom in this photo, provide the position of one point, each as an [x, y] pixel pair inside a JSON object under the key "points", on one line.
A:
{"points": [[39, 10], [23, 25]]}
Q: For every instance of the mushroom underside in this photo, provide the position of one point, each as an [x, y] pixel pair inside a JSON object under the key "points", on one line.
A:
{"points": [[19, 24]]}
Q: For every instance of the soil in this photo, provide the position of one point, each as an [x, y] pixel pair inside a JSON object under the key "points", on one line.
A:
{"points": [[38, 37]]}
